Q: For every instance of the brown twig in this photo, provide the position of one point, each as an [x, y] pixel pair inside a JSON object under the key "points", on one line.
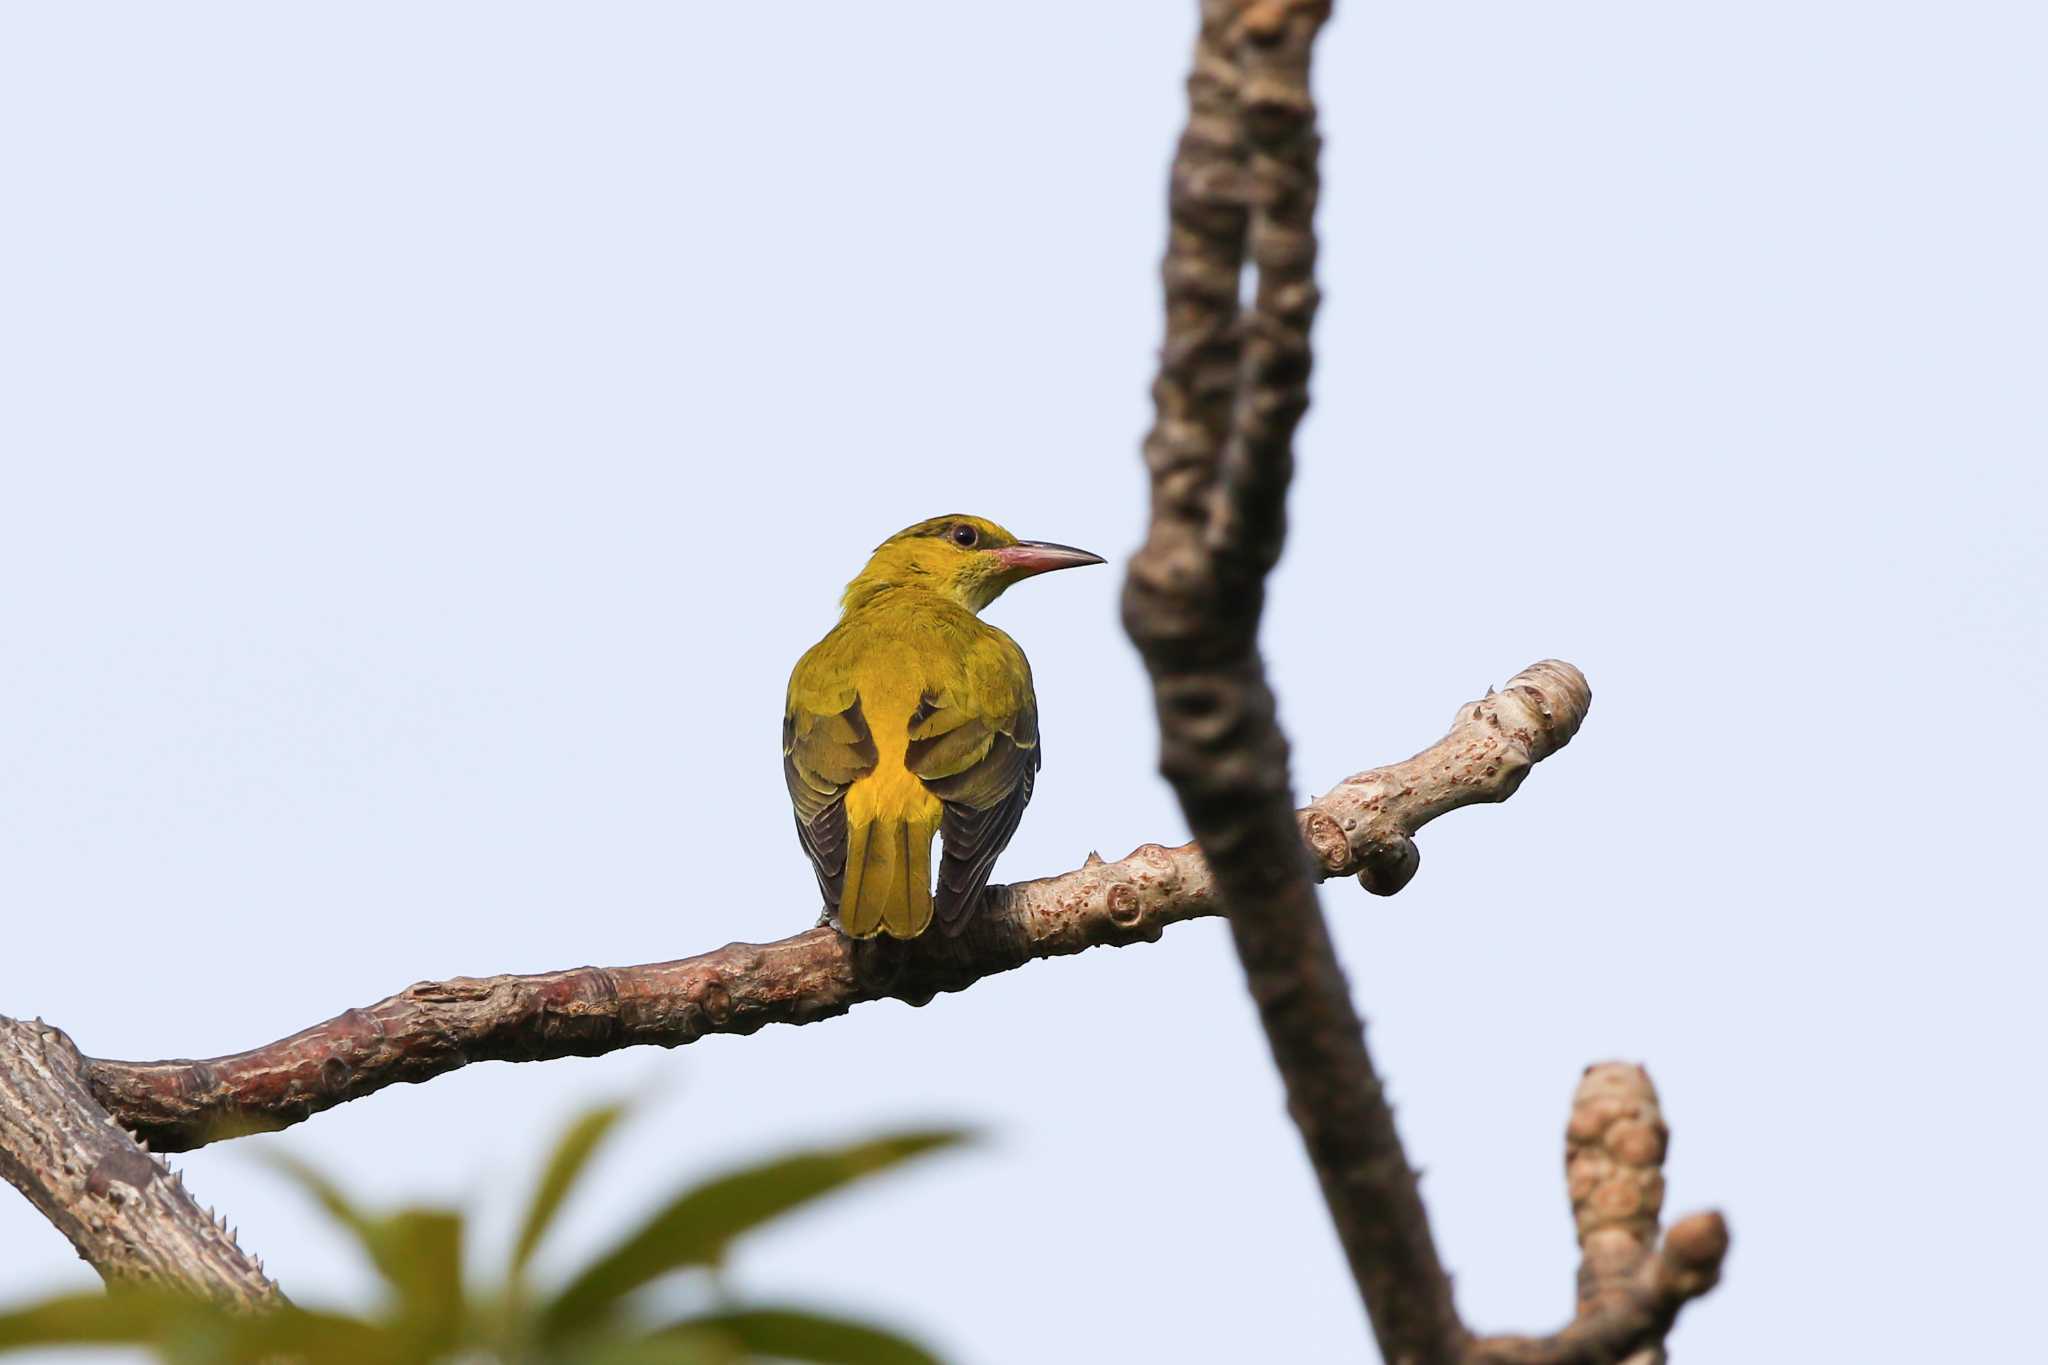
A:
{"points": [[1630, 1288], [1365, 825], [1220, 465], [130, 1218]]}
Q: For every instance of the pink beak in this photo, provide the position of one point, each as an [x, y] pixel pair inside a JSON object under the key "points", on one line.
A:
{"points": [[1028, 557]]}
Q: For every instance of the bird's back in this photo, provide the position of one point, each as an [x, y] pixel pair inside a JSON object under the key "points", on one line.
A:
{"points": [[910, 717]]}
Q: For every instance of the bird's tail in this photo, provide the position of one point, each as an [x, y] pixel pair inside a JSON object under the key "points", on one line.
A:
{"points": [[888, 887]]}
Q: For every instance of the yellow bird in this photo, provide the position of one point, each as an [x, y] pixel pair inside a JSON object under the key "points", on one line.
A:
{"points": [[915, 718]]}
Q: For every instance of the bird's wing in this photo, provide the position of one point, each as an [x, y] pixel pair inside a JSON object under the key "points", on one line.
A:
{"points": [[824, 748], [975, 747]]}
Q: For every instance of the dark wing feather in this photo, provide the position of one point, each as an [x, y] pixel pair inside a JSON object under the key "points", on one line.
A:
{"points": [[982, 771], [821, 757]]}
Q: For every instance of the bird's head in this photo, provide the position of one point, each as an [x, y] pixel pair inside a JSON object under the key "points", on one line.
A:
{"points": [[967, 559]]}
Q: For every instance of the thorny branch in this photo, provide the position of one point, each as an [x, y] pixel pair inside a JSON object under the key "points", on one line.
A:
{"points": [[1364, 827], [1229, 394], [129, 1217]]}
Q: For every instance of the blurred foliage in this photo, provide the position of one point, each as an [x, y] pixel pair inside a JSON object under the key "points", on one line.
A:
{"points": [[595, 1318]]}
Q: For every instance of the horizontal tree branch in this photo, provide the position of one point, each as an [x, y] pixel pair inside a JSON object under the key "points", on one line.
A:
{"points": [[129, 1217], [1630, 1288], [1364, 827]]}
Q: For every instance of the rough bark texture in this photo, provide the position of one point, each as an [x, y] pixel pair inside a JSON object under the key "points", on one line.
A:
{"points": [[1228, 396], [1630, 1288], [1364, 826], [129, 1217]]}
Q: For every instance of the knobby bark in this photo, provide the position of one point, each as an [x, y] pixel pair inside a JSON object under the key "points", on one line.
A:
{"points": [[1363, 827], [1228, 396], [1230, 391], [128, 1216], [1630, 1287]]}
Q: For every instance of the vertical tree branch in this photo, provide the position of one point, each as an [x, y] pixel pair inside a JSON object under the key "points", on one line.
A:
{"points": [[1247, 166], [1198, 361], [129, 1217]]}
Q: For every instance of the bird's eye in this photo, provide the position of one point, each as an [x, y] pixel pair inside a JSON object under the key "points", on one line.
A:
{"points": [[964, 537]]}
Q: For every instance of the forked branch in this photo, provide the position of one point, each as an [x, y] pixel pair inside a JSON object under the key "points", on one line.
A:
{"points": [[126, 1214], [1631, 1287]]}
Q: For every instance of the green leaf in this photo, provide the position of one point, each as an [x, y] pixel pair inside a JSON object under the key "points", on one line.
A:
{"points": [[292, 1334], [697, 1226], [185, 1329], [572, 1153], [418, 1251], [685, 1348], [794, 1334], [127, 1317]]}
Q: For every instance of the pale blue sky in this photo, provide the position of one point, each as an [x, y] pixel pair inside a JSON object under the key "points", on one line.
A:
{"points": [[431, 432]]}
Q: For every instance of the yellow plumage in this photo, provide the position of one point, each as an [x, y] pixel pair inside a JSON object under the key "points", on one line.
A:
{"points": [[890, 816], [914, 719]]}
